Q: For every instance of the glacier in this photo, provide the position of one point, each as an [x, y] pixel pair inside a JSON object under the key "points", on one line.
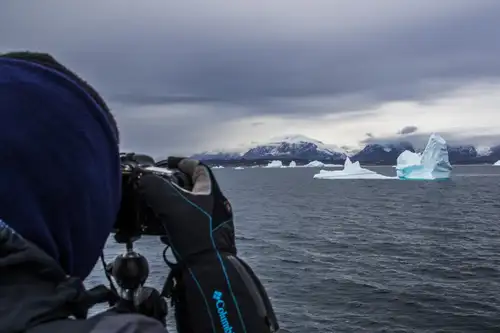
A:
{"points": [[432, 164], [350, 171]]}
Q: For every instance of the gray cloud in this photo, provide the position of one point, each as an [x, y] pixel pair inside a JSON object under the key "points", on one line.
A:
{"points": [[408, 130], [453, 139], [258, 57]]}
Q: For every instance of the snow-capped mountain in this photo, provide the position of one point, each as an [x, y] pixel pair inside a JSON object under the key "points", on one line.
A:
{"points": [[295, 146], [291, 146], [460, 154], [300, 147], [382, 153], [217, 155]]}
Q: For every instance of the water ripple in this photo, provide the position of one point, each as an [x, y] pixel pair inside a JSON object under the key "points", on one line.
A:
{"points": [[367, 256]]}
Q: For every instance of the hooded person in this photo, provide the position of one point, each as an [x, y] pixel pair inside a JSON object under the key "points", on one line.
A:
{"points": [[60, 190], [60, 195]]}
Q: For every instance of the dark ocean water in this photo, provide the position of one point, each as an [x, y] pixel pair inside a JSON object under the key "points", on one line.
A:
{"points": [[366, 255]]}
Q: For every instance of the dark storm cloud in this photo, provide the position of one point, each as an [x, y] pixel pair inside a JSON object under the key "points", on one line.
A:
{"points": [[137, 62], [260, 57], [408, 130], [145, 99]]}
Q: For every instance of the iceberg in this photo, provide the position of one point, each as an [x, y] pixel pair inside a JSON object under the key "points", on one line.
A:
{"points": [[239, 168], [408, 159], [497, 163], [292, 164], [274, 164], [314, 164], [218, 167], [432, 164], [318, 164], [350, 171]]}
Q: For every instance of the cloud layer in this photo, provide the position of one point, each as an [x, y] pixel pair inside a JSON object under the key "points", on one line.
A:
{"points": [[183, 76]]}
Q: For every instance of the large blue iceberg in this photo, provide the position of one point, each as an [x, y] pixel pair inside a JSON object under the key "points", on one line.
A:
{"points": [[432, 164]]}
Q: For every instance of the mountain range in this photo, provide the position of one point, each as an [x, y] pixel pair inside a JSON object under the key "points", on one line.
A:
{"points": [[303, 149]]}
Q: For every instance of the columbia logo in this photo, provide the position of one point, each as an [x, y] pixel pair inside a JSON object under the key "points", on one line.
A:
{"points": [[220, 305], [217, 295]]}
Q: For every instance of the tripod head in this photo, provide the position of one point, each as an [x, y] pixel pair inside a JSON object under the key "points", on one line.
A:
{"points": [[130, 271]]}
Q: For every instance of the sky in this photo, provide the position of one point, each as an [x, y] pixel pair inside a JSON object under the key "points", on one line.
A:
{"points": [[187, 76]]}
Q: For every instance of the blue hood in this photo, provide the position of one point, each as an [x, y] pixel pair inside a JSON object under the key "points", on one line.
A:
{"points": [[60, 183]]}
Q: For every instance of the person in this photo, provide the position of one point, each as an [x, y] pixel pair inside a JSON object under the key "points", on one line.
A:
{"points": [[60, 194]]}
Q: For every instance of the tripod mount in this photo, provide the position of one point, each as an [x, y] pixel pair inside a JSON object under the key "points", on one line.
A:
{"points": [[130, 271]]}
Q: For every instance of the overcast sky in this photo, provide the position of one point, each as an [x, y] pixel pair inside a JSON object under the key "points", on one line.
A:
{"points": [[185, 76]]}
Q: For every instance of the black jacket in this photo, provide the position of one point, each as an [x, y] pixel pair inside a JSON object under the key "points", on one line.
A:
{"points": [[36, 296]]}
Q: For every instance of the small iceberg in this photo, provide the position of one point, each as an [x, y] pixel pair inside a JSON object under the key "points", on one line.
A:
{"points": [[350, 171], [315, 164], [274, 164], [292, 164], [497, 163], [432, 164], [218, 167], [239, 168], [318, 164]]}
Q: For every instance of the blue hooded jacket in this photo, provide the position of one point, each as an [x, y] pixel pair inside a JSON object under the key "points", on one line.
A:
{"points": [[60, 181]]}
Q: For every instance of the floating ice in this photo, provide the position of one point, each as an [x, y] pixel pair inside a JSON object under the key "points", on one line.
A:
{"points": [[274, 164], [239, 168], [407, 159], [432, 164], [315, 164], [218, 167], [497, 163], [292, 164], [318, 164], [350, 171]]}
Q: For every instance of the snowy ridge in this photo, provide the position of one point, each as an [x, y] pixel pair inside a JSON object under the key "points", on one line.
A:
{"points": [[294, 146], [290, 146], [299, 139], [483, 151], [301, 147]]}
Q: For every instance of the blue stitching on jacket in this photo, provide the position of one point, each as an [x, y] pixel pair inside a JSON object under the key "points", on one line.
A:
{"points": [[200, 289], [222, 224]]}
